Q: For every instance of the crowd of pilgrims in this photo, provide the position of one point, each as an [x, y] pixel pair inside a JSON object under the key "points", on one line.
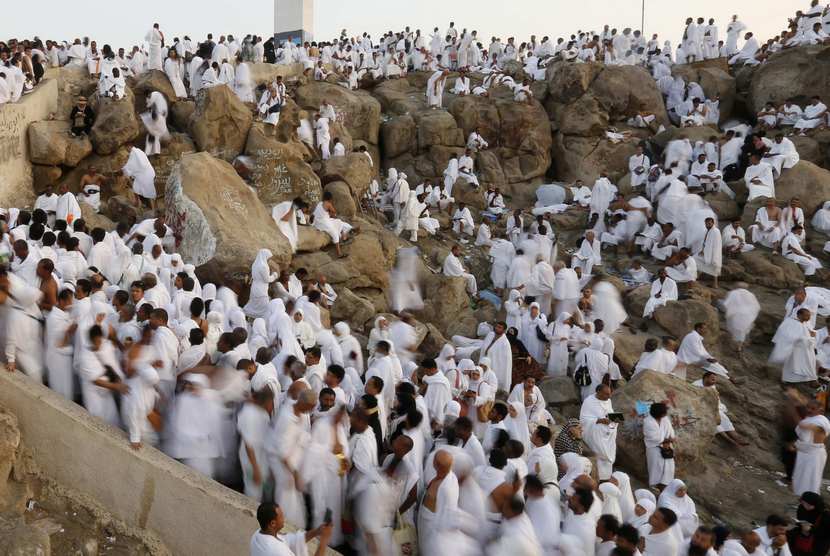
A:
{"points": [[369, 443]]}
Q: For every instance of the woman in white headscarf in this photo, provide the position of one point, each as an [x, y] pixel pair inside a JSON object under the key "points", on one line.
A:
{"points": [[533, 322], [675, 498], [229, 300], [261, 278], [236, 319], [642, 512], [197, 285], [559, 333], [515, 310], [623, 482], [303, 331], [209, 292], [216, 326], [611, 500], [330, 347], [446, 358], [259, 336], [285, 216], [352, 352], [516, 424], [379, 333]]}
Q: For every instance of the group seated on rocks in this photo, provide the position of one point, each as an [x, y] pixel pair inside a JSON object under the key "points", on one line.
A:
{"points": [[355, 436]]}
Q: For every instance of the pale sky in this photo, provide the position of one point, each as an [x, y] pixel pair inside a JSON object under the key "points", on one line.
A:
{"points": [[123, 24]]}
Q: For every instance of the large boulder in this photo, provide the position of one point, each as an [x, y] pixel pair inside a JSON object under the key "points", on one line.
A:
{"points": [[519, 135], [359, 110], [679, 317], [446, 305], [177, 145], [578, 157], [116, 123], [693, 412], [279, 171], [808, 182], [355, 310], [72, 81], [602, 94], [399, 135], [310, 239], [44, 177], [148, 82], [107, 165], [220, 222], [342, 199], [763, 268], [354, 169], [437, 127], [401, 96], [797, 73], [51, 143], [96, 219], [220, 123], [560, 391]]}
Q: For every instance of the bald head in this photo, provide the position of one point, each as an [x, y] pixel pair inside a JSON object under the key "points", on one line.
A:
{"points": [[296, 388], [442, 463]]}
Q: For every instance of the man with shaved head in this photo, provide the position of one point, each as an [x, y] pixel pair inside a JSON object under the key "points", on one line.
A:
{"points": [[440, 501], [284, 448]]}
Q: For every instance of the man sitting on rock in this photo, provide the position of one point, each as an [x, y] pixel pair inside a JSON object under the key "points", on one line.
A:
{"points": [[81, 118], [453, 267]]}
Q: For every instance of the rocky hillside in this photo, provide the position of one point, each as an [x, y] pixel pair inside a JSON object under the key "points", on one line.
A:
{"points": [[221, 207]]}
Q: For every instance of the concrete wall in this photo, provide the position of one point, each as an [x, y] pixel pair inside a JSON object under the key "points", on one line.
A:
{"points": [[15, 168], [188, 512]]}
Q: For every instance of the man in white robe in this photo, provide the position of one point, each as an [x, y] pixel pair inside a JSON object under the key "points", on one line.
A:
{"points": [[462, 221], [795, 349], [143, 176], [811, 454], [734, 238], [693, 352], [767, 229], [638, 165], [685, 270], [663, 290], [710, 258], [791, 249], [67, 207], [155, 39], [454, 267], [602, 194], [759, 179], [599, 432], [438, 505], [435, 88], [589, 254], [565, 289], [814, 115], [793, 215], [496, 350], [438, 392], [59, 347], [782, 155], [285, 445], [661, 539]]}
